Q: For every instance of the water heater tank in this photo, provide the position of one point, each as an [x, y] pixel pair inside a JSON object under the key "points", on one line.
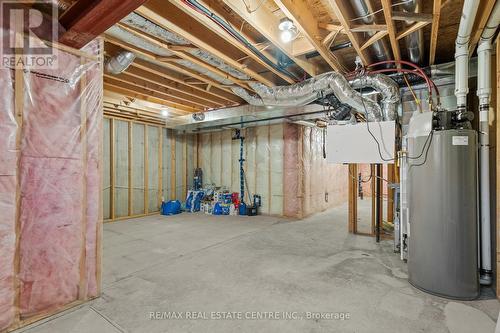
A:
{"points": [[442, 188]]}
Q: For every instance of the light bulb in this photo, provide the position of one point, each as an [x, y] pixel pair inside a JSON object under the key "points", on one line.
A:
{"points": [[164, 113], [286, 36]]}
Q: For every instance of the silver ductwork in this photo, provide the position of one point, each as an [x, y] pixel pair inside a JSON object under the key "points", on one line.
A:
{"points": [[310, 90], [380, 48], [415, 40], [119, 63], [386, 87]]}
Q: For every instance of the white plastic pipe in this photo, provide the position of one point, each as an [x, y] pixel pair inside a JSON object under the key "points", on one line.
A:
{"points": [[484, 93], [469, 12]]}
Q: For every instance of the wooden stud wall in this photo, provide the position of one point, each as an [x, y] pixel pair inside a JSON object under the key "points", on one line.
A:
{"points": [[20, 321], [161, 176]]}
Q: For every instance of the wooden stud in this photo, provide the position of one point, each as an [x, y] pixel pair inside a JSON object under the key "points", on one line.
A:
{"points": [[160, 165], [112, 166], [388, 15], [184, 166], [497, 130], [374, 198], [130, 169], [146, 171], [19, 86], [99, 227], [436, 11], [391, 169], [173, 179], [353, 198], [82, 288]]}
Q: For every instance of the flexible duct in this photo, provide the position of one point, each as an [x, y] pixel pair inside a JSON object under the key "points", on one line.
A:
{"points": [[484, 93], [386, 87], [119, 63], [380, 48], [321, 86], [415, 40]]}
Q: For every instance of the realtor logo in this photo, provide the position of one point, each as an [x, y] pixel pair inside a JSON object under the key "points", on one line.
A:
{"points": [[28, 29]]}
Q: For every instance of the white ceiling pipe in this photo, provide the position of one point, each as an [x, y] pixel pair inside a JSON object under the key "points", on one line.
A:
{"points": [[469, 11], [484, 93]]}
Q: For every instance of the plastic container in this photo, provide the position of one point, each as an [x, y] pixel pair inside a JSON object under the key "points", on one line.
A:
{"points": [[242, 208], [172, 207]]}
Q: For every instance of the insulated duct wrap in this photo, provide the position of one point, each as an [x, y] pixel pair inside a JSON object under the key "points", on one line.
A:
{"points": [[386, 87], [119, 63], [309, 91]]}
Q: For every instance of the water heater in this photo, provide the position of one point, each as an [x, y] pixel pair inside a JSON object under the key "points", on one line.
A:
{"points": [[442, 209]]}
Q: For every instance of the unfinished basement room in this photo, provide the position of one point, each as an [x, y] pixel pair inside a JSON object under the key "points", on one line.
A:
{"points": [[249, 166]]}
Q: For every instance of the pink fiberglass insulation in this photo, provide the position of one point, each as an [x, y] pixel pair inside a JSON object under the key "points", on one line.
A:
{"points": [[54, 183], [8, 180], [92, 103]]}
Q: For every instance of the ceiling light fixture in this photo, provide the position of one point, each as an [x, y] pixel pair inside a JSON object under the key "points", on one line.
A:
{"points": [[288, 30], [164, 112]]}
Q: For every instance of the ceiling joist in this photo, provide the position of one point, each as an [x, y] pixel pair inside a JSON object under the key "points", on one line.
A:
{"points": [[388, 15], [209, 24], [340, 10], [266, 23], [169, 17], [436, 12], [300, 13]]}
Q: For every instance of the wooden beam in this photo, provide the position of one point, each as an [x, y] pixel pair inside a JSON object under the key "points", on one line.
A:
{"points": [[485, 8], [174, 66], [412, 28], [341, 11], [331, 27], [368, 27], [301, 14], [167, 16], [135, 78], [148, 89], [377, 36], [211, 25], [182, 54], [301, 46], [407, 16], [266, 23], [131, 91], [436, 12], [184, 91], [87, 19], [387, 8]]}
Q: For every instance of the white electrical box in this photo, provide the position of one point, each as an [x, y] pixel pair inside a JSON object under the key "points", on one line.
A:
{"points": [[355, 144]]}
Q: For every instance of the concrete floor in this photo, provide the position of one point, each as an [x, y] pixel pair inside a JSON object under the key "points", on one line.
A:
{"points": [[254, 266]]}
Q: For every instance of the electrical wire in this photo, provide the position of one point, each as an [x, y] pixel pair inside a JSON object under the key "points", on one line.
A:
{"points": [[222, 23], [429, 136], [250, 11], [380, 10]]}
